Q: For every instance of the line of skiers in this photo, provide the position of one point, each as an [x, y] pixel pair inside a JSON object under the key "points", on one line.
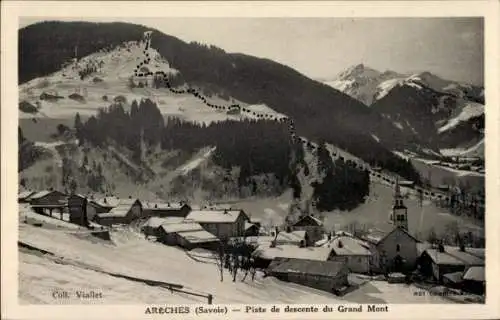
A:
{"points": [[232, 263]]}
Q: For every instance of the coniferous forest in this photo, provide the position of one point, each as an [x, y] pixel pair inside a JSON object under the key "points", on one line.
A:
{"points": [[256, 147]]}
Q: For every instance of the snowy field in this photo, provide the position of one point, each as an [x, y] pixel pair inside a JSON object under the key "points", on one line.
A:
{"points": [[375, 211], [81, 264]]}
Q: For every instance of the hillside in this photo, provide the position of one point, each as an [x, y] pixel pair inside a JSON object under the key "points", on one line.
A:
{"points": [[319, 112]]}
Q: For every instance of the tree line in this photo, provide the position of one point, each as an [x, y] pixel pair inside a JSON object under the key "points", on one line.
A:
{"points": [[255, 146]]}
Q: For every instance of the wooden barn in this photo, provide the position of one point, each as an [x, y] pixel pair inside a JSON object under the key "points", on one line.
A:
{"points": [[224, 223], [125, 212], [169, 209], [312, 225], [330, 276], [48, 201]]}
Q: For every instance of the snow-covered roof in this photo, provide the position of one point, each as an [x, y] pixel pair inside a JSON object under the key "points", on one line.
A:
{"points": [[121, 210], [198, 236], [312, 220], [40, 194], [344, 245], [475, 273], [455, 277], [382, 231], [249, 225], [453, 256], [108, 201], [154, 222], [292, 251], [310, 267], [163, 206], [25, 194], [214, 216], [181, 227], [295, 236]]}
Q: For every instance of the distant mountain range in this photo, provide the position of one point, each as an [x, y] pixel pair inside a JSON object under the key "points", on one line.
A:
{"points": [[446, 114]]}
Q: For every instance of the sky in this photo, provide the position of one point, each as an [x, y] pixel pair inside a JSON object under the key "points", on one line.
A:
{"points": [[321, 48]]}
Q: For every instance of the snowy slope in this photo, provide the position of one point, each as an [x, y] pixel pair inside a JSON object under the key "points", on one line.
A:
{"points": [[86, 264], [114, 70], [468, 111]]}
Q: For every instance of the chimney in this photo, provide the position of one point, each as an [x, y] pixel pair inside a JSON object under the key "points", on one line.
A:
{"points": [[168, 204], [130, 197], [340, 244], [156, 206], [105, 200], [225, 211]]}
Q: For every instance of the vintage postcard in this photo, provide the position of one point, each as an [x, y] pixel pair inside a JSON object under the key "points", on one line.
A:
{"points": [[279, 160]]}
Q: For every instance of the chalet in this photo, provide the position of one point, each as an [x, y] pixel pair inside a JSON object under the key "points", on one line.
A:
{"points": [[169, 209], [197, 239], [355, 251], [167, 233], [47, 201], [251, 229], [312, 225], [330, 276], [440, 260], [151, 227], [224, 223], [125, 212], [188, 235]]}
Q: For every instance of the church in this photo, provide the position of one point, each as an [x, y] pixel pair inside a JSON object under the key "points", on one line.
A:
{"points": [[393, 248]]}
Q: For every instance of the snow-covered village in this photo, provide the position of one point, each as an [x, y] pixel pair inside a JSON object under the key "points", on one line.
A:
{"points": [[154, 170]]}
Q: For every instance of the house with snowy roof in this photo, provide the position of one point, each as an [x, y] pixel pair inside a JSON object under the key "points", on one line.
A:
{"points": [[126, 211], [312, 225], [440, 261], [48, 201], [224, 223], [356, 252], [188, 235], [297, 238], [151, 226], [330, 276]]}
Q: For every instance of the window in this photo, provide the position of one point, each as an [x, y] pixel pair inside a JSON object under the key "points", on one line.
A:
{"points": [[398, 248]]}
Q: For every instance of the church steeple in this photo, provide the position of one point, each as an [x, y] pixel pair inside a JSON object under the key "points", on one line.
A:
{"points": [[399, 214]]}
